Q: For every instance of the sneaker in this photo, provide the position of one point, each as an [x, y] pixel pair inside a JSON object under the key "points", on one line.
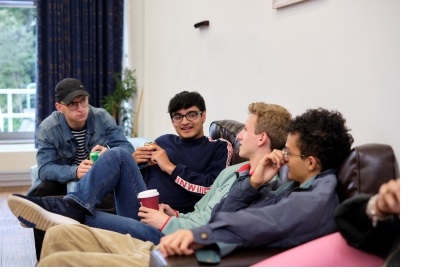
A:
{"points": [[43, 212]]}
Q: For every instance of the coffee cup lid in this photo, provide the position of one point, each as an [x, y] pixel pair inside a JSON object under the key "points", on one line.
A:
{"points": [[148, 193]]}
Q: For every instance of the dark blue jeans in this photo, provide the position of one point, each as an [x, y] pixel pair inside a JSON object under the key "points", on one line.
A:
{"points": [[116, 172], [124, 225]]}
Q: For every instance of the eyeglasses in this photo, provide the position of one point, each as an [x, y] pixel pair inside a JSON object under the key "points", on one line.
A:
{"points": [[286, 154], [72, 106], [177, 118]]}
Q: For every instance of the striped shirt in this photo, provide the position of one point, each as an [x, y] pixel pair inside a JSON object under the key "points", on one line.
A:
{"points": [[81, 154]]}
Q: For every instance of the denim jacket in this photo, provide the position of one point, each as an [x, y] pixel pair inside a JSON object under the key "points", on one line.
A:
{"points": [[57, 147]]}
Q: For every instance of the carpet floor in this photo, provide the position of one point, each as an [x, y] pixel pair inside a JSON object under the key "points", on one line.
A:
{"points": [[17, 248]]}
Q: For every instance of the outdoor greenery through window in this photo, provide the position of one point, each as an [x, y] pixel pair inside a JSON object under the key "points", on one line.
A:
{"points": [[17, 69]]}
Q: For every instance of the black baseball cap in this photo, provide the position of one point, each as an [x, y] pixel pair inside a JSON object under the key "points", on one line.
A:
{"points": [[68, 89]]}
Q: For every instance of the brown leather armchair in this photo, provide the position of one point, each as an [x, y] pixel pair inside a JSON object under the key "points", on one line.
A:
{"points": [[364, 170], [228, 129]]}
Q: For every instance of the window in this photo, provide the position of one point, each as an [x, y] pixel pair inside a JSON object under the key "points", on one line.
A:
{"points": [[17, 70]]}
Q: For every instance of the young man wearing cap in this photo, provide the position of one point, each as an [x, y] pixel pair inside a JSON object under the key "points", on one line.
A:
{"points": [[68, 135], [65, 139]]}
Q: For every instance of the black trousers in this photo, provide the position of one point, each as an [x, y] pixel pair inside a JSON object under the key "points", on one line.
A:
{"points": [[47, 188]]}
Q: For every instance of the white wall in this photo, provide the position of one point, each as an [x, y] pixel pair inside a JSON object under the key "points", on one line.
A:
{"points": [[338, 54]]}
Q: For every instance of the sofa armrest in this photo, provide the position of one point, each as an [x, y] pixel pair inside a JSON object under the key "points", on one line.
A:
{"points": [[138, 141], [240, 257], [34, 173]]}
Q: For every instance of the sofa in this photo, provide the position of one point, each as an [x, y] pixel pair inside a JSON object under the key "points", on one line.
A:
{"points": [[364, 170]]}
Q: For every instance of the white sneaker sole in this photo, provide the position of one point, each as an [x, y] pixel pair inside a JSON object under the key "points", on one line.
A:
{"points": [[32, 215]]}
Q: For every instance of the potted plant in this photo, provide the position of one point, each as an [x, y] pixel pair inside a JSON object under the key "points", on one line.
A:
{"points": [[117, 104]]}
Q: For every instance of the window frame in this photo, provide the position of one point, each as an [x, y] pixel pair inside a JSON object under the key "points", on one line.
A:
{"points": [[17, 137]]}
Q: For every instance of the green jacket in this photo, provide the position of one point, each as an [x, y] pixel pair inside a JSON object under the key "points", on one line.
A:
{"points": [[202, 209]]}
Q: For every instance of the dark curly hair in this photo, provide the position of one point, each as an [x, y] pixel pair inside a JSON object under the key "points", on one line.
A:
{"points": [[324, 135], [185, 100]]}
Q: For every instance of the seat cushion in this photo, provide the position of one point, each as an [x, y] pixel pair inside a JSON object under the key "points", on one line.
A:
{"points": [[328, 251]]}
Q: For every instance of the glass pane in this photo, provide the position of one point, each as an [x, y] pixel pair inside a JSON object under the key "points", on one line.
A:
{"points": [[17, 69], [3, 103], [6, 125]]}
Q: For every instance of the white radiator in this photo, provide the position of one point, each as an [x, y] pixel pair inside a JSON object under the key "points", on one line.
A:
{"points": [[14, 179]]}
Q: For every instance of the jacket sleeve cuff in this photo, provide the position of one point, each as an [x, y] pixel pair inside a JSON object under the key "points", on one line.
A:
{"points": [[164, 224]]}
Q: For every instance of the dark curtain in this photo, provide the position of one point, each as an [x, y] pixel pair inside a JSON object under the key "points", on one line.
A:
{"points": [[80, 39]]}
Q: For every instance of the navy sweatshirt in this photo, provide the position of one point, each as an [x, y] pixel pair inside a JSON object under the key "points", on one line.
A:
{"points": [[198, 162]]}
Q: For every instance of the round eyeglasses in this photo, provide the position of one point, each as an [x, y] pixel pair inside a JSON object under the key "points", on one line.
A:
{"points": [[72, 106], [286, 154], [177, 118]]}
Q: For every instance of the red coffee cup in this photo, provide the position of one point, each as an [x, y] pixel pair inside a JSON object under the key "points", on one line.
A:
{"points": [[149, 198]]}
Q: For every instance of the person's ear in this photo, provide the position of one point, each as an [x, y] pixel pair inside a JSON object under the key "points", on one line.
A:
{"points": [[263, 138], [313, 163], [58, 107], [203, 116]]}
